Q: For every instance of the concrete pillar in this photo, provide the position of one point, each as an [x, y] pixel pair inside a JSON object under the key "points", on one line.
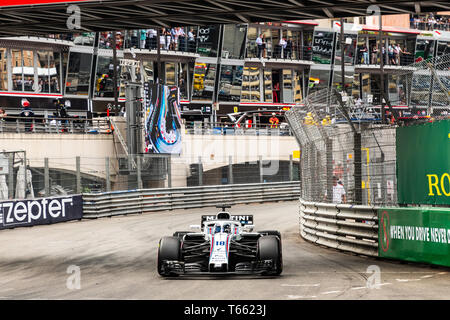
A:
{"points": [[11, 176], [230, 170], [200, 172], [138, 171], [261, 170], [291, 168], [169, 171]]}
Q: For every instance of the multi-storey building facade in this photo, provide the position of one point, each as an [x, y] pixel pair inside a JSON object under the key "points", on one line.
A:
{"points": [[220, 69]]}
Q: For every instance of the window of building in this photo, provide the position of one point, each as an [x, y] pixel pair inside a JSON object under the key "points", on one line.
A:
{"points": [[268, 93], [48, 72], [79, 73], [298, 83], [208, 38], [323, 47], [234, 41], [170, 74], [104, 78], [147, 68], [3, 69], [287, 86], [183, 80], [252, 48], [350, 42], [203, 82], [319, 79], [251, 91], [230, 83]]}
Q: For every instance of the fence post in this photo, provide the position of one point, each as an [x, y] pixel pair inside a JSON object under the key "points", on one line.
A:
{"points": [[358, 167], [230, 170], [46, 178], [169, 171], [138, 171], [261, 175], [200, 172], [329, 161], [78, 174], [107, 174], [291, 168], [11, 176]]}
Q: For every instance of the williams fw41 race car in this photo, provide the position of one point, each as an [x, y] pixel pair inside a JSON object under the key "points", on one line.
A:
{"points": [[224, 245]]}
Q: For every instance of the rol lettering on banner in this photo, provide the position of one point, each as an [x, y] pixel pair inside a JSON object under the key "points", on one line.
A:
{"points": [[28, 213]]}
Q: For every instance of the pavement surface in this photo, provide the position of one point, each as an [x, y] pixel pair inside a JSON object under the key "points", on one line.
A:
{"points": [[115, 258]]}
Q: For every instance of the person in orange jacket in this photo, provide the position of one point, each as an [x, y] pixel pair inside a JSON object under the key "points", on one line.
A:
{"points": [[274, 121]]}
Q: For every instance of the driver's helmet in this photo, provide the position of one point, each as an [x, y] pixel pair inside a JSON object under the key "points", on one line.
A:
{"points": [[227, 228], [217, 228]]}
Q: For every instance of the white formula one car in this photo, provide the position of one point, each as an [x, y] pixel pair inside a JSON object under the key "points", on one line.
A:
{"points": [[226, 245]]}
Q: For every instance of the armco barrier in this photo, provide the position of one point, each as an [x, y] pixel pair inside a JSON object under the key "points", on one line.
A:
{"points": [[340, 226], [139, 201]]}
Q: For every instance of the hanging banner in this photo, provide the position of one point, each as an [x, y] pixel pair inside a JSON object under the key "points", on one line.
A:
{"points": [[415, 234], [162, 119], [28, 213], [423, 163]]}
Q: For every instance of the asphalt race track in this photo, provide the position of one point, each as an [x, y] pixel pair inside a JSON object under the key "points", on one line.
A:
{"points": [[117, 260]]}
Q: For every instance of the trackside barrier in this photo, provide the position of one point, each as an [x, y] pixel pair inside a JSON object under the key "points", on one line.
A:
{"points": [[344, 227], [147, 200]]}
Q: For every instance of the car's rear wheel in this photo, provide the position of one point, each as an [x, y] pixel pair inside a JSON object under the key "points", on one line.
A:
{"points": [[169, 248], [269, 248]]}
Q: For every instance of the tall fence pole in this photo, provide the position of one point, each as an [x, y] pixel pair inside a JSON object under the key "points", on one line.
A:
{"points": [[78, 174], [138, 171], [200, 171], [291, 167], [358, 167], [107, 174], [11, 176], [261, 169], [46, 178], [230, 170], [329, 160], [169, 171]]}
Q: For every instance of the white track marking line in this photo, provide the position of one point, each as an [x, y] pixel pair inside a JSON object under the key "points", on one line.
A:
{"points": [[407, 280], [300, 297], [358, 288], [301, 285], [331, 292], [426, 276]]}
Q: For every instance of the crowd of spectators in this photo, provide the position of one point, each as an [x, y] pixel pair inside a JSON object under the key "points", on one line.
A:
{"points": [[176, 39], [430, 22], [396, 55]]}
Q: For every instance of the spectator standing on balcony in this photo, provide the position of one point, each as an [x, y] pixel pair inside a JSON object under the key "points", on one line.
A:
{"points": [[260, 45], [391, 54], [365, 54], [143, 37], [168, 40], [182, 39], [288, 50], [375, 52], [191, 40], [152, 35], [282, 45], [28, 114], [162, 39]]}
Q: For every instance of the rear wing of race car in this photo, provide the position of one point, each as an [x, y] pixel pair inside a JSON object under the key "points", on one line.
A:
{"points": [[244, 220]]}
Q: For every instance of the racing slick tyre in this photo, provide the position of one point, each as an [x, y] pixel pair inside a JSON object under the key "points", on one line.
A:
{"points": [[269, 248], [169, 248]]}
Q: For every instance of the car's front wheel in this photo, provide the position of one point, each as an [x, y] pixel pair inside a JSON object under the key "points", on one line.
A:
{"points": [[269, 248], [169, 248]]}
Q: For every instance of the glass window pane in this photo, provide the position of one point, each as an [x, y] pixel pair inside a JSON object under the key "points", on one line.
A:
{"points": [[298, 86], [16, 62], [28, 70], [170, 73], [55, 71], [203, 83], [424, 49], [43, 71], [230, 83], [287, 86], [349, 49], [148, 71], [78, 74], [268, 93], [104, 80], [84, 39], [323, 47], [268, 44], [319, 79], [182, 80], [208, 37], [3, 69], [252, 48], [233, 41]]}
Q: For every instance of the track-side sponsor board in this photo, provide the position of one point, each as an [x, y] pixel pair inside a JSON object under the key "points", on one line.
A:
{"points": [[415, 234], [423, 163], [18, 3], [243, 219], [28, 213]]}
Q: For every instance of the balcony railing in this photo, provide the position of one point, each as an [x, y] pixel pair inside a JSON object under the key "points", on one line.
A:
{"points": [[425, 26], [279, 52], [224, 128], [373, 58], [72, 125]]}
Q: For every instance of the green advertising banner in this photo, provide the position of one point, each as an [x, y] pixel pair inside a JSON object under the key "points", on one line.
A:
{"points": [[423, 163], [415, 234]]}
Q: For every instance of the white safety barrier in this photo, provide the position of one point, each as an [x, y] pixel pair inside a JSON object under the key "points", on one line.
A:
{"points": [[341, 226], [139, 201]]}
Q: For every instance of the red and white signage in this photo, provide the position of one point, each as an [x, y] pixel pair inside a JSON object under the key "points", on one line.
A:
{"points": [[18, 3]]}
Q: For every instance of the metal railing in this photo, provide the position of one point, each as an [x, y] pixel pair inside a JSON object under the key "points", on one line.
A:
{"points": [[11, 124], [373, 58], [280, 52], [147, 200], [340, 226], [224, 128]]}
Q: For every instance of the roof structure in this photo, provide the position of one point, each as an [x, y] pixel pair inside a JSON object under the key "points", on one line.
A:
{"points": [[34, 17]]}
